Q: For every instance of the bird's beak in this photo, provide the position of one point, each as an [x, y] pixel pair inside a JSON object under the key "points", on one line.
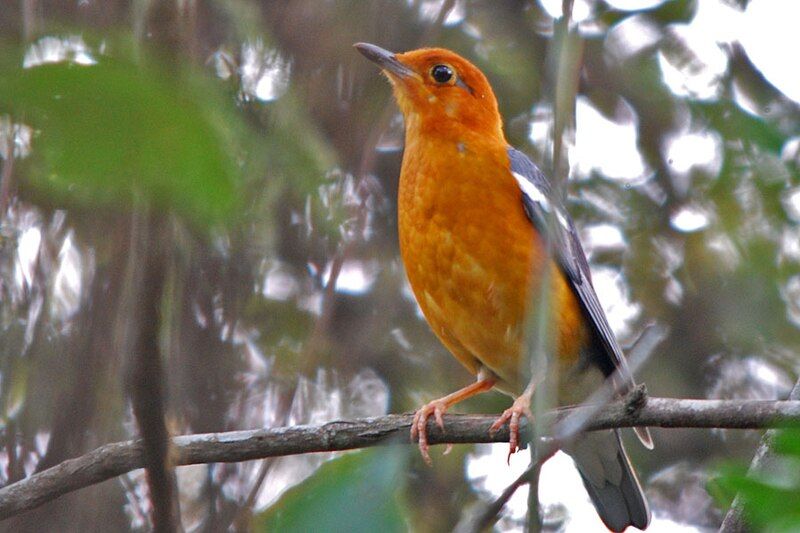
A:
{"points": [[385, 59]]}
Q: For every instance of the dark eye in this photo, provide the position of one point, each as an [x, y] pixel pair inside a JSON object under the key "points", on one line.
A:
{"points": [[442, 73]]}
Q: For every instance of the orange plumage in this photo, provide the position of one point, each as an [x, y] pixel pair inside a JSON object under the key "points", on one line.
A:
{"points": [[470, 215], [471, 254]]}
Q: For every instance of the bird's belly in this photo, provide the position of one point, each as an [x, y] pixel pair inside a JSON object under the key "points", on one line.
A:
{"points": [[473, 279]]}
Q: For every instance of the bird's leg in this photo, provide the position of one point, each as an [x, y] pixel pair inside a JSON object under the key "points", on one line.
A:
{"points": [[520, 407], [437, 408]]}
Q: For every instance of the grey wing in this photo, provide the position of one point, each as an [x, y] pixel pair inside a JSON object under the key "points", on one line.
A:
{"points": [[547, 213]]}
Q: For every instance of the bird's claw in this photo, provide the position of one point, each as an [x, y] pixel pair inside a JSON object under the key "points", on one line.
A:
{"points": [[419, 426], [512, 415]]}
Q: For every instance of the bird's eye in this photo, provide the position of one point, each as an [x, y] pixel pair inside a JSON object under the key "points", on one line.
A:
{"points": [[442, 73]]}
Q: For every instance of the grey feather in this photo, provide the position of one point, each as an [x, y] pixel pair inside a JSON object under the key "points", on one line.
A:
{"points": [[610, 480], [569, 254]]}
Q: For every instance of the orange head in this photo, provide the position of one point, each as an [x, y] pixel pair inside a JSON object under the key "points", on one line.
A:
{"points": [[438, 90]]}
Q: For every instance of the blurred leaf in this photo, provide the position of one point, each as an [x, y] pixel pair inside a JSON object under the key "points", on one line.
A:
{"points": [[733, 123], [740, 4], [357, 492], [674, 11], [787, 442], [15, 394], [671, 12], [110, 132], [771, 498]]}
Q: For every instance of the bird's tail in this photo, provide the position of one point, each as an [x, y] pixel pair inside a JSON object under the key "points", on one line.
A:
{"points": [[610, 480]]}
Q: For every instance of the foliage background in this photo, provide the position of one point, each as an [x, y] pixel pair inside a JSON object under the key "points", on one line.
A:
{"points": [[267, 151]]}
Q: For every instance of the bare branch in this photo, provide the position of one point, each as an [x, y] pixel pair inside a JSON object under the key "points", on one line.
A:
{"points": [[112, 460]]}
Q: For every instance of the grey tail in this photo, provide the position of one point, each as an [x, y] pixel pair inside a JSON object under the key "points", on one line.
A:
{"points": [[610, 480], [645, 438]]}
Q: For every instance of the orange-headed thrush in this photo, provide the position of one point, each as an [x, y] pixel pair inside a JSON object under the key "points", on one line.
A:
{"points": [[480, 226]]}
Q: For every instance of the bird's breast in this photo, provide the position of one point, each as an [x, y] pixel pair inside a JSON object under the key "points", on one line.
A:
{"points": [[472, 257]]}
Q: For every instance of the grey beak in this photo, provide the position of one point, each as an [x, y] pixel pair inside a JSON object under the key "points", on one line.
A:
{"points": [[384, 59]]}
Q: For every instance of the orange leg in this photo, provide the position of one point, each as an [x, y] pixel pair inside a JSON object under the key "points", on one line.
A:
{"points": [[521, 407], [437, 408]]}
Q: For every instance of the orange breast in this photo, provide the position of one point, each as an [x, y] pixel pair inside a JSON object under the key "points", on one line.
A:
{"points": [[472, 256]]}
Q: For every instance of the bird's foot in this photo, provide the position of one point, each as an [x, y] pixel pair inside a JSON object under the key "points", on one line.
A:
{"points": [[437, 408], [419, 426], [521, 407]]}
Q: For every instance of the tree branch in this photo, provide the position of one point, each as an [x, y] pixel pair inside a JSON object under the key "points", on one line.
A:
{"points": [[115, 459]]}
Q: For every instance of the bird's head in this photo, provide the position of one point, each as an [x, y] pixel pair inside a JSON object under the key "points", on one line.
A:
{"points": [[439, 90]]}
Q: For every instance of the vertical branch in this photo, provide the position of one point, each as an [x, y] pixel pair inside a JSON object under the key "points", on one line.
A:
{"points": [[89, 354], [14, 470], [7, 170], [541, 342], [29, 19], [167, 30], [144, 376], [565, 60], [534, 507]]}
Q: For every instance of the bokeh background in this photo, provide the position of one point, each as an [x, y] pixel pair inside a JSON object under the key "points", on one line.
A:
{"points": [[262, 153]]}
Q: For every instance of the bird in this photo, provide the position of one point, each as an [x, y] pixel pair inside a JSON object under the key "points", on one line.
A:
{"points": [[479, 226]]}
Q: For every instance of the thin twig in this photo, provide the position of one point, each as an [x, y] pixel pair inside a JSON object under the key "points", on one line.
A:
{"points": [[563, 106], [486, 518], [115, 459], [7, 170]]}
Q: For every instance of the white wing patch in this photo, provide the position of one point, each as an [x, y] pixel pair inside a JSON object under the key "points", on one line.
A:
{"points": [[535, 195], [532, 191]]}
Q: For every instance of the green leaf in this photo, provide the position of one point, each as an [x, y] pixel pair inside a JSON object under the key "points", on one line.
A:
{"points": [[787, 442], [674, 11], [771, 500], [111, 133], [766, 505], [733, 123], [671, 12], [357, 492]]}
